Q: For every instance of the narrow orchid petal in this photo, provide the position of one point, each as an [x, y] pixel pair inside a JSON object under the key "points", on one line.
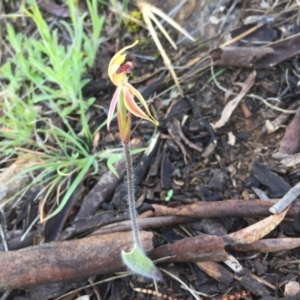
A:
{"points": [[112, 106], [116, 61], [136, 93], [133, 107]]}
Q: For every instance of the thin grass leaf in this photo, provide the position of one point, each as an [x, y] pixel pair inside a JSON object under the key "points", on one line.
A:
{"points": [[72, 188]]}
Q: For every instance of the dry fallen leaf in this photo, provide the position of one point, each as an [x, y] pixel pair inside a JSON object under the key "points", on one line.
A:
{"points": [[231, 105], [256, 231]]}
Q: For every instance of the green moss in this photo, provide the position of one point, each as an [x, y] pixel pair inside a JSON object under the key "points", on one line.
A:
{"points": [[130, 25]]}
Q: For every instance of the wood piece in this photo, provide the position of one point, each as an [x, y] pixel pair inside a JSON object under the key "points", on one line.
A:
{"points": [[274, 182], [227, 208], [199, 248], [216, 271], [65, 261], [144, 224], [252, 285], [95, 255], [90, 224], [268, 245], [285, 201], [101, 191]]}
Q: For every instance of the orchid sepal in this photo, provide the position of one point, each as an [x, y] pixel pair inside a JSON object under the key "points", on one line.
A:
{"points": [[113, 105], [136, 93], [134, 108]]}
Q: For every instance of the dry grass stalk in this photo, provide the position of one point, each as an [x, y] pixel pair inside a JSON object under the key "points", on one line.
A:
{"points": [[149, 11]]}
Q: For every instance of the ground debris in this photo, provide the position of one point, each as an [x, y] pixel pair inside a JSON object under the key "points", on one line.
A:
{"points": [[290, 143], [277, 185], [198, 190]]}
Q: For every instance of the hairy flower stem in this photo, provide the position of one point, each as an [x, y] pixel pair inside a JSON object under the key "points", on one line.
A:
{"points": [[131, 197]]}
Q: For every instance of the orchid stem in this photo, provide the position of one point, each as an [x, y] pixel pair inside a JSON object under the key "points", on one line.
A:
{"points": [[131, 198]]}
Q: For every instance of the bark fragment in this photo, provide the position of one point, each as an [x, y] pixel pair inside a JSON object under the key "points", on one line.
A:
{"points": [[95, 255], [65, 261], [228, 208]]}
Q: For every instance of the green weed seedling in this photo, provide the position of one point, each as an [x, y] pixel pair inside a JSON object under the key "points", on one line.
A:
{"points": [[169, 195]]}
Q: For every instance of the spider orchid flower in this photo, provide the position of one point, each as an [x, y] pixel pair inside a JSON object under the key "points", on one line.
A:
{"points": [[123, 97]]}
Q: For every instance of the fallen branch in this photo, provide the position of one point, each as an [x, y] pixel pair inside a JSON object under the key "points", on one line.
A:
{"points": [[100, 254], [192, 249], [64, 261], [228, 208], [286, 200], [144, 224], [95, 255], [268, 245]]}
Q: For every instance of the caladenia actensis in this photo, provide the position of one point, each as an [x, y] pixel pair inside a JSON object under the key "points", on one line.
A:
{"points": [[123, 100]]}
